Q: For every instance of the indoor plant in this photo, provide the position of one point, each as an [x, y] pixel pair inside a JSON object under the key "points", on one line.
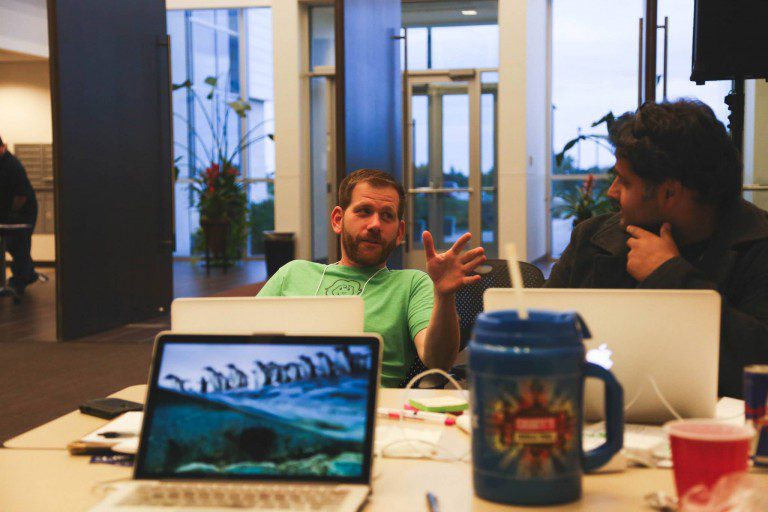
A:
{"points": [[219, 193], [584, 202], [588, 200]]}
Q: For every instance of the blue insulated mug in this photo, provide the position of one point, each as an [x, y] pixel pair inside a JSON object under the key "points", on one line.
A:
{"points": [[527, 392]]}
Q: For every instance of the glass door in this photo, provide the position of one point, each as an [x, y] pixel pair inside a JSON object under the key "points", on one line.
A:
{"points": [[446, 189]]}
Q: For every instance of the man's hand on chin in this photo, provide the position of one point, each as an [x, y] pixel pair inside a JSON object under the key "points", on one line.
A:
{"points": [[450, 270], [647, 252]]}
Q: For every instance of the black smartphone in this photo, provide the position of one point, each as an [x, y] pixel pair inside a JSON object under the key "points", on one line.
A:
{"points": [[109, 407]]}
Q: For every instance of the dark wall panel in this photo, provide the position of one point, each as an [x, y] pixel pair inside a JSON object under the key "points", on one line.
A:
{"points": [[370, 88], [369, 117], [112, 161]]}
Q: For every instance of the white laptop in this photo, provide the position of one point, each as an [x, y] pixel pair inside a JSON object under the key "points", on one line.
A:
{"points": [[246, 315], [671, 336], [260, 422]]}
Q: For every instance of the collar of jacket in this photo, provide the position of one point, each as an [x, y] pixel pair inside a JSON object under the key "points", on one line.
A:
{"points": [[611, 237]]}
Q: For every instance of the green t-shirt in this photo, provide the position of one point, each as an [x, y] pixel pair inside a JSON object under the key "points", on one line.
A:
{"points": [[398, 304]]}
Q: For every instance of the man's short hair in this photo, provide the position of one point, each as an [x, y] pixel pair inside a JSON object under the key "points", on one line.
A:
{"points": [[377, 179], [680, 140], [1, 142]]}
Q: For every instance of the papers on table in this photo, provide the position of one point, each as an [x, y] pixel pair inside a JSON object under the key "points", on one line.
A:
{"points": [[126, 428], [127, 424]]}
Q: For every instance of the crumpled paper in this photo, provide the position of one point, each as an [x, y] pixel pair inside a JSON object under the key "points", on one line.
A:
{"points": [[737, 492]]}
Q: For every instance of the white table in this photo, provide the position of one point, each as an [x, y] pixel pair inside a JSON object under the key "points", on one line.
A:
{"points": [[39, 475]]}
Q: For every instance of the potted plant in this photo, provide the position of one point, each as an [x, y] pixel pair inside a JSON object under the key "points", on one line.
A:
{"points": [[588, 200], [221, 200], [219, 193], [584, 202]]}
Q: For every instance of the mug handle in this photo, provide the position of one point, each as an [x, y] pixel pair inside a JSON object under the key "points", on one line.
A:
{"points": [[614, 419]]}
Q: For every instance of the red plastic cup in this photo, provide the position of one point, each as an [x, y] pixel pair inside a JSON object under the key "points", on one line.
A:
{"points": [[705, 450]]}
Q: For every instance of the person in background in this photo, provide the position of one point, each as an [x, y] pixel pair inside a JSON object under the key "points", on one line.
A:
{"points": [[414, 312], [17, 206], [682, 224]]}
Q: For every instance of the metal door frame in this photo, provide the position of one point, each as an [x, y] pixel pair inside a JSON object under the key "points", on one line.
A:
{"points": [[473, 79]]}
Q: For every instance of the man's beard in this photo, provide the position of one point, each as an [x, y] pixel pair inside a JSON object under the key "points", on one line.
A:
{"points": [[651, 227], [351, 245]]}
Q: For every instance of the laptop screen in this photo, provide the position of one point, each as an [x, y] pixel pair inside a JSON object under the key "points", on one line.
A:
{"points": [[260, 407]]}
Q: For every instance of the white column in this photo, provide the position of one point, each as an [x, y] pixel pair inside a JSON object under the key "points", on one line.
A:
{"points": [[523, 127], [756, 139], [291, 121]]}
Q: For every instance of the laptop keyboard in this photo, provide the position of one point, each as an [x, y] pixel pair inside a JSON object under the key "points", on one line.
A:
{"points": [[261, 497]]}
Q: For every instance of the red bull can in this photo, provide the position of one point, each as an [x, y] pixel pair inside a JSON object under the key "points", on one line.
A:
{"points": [[755, 414]]}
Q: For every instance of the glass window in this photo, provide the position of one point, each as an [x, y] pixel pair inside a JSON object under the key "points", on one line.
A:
{"points": [[322, 42], [418, 48], [489, 207], [446, 47], [321, 54], [319, 139], [207, 43], [594, 71], [420, 120], [449, 46]]}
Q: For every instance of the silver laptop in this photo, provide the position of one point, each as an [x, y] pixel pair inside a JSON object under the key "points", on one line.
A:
{"points": [[261, 422], [665, 339], [246, 315]]}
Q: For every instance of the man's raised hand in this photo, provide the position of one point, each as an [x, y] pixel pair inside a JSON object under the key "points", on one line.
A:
{"points": [[647, 252], [450, 270]]}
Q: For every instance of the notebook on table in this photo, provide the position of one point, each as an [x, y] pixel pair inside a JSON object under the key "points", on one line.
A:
{"points": [[238, 422]]}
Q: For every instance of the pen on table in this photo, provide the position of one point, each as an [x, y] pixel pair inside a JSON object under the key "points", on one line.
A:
{"points": [[112, 435], [432, 503], [428, 417]]}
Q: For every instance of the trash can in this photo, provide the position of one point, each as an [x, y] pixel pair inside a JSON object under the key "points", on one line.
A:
{"points": [[279, 249]]}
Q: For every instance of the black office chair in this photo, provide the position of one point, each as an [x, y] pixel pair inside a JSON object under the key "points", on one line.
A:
{"points": [[469, 303]]}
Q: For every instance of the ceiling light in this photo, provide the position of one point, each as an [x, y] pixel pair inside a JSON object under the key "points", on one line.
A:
{"points": [[469, 12]]}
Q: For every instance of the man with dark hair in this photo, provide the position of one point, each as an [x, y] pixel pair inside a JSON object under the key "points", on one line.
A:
{"points": [[414, 312], [17, 206], [682, 225]]}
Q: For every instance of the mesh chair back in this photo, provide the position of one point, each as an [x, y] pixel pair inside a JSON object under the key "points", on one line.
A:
{"points": [[495, 274], [469, 300]]}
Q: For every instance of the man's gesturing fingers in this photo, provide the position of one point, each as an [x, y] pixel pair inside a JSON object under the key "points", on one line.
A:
{"points": [[471, 254], [474, 263], [429, 244], [461, 242], [471, 279]]}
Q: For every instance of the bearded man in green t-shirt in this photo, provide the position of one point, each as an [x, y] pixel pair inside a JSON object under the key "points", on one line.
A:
{"points": [[414, 312]]}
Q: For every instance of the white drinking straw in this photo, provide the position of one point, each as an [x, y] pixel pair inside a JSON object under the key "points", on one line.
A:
{"points": [[517, 280]]}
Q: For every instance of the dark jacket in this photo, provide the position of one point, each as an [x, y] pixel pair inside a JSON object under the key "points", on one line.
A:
{"points": [[13, 183], [735, 263]]}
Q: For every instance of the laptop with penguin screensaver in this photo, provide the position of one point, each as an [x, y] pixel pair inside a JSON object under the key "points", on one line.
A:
{"points": [[253, 422]]}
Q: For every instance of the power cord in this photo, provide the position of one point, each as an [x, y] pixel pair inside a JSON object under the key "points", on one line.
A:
{"points": [[419, 445], [664, 401]]}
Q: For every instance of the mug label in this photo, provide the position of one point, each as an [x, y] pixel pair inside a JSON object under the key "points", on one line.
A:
{"points": [[530, 425], [535, 430]]}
